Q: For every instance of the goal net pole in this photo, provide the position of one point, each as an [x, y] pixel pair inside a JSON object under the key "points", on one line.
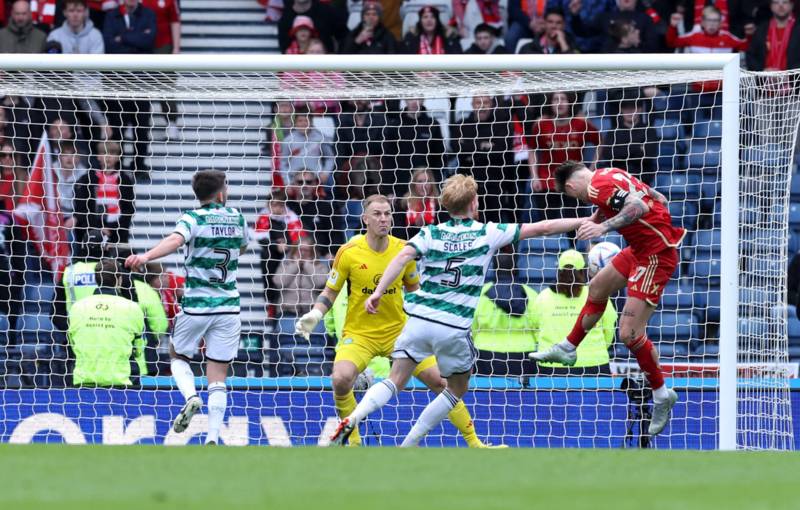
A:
{"points": [[729, 254]]}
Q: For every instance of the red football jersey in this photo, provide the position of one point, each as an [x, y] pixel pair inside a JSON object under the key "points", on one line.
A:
{"points": [[556, 143], [651, 233]]}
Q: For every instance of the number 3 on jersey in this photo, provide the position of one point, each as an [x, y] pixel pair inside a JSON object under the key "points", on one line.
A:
{"points": [[453, 269], [222, 265]]}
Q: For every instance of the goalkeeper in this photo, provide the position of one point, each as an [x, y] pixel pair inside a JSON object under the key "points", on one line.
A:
{"points": [[360, 263]]}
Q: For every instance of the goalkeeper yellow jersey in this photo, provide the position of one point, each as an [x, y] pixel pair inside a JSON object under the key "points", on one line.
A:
{"points": [[362, 267]]}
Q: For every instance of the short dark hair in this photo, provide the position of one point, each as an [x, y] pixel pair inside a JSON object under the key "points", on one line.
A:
{"points": [[485, 27], [207, 183], [554, 10], [74, 2], [565, 171], [106, 272]]}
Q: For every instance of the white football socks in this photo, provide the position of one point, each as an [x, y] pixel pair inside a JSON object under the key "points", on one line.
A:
{"points": [[375, 398], [184, 378], [566, 346], [431, 416], [217, 403], [661, 394]]}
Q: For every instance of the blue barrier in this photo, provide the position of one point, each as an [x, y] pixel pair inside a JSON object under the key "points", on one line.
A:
{"points": [[551, 415]]}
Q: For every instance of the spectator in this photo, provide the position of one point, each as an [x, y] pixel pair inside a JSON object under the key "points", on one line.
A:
{"points": [[69, 169], [20, 36], [559, 135], [361, 132], [131, 31], [168, 41], [329, 21], [319, 217], [776, 44], [315, 80], [300, 277], [430, 36], [554, 40], [419, 144], [77, 34], [104, 197], [503, 328], [306, 149], [631, 144], [486, 42], [702, 39], [276, 228], [276, 132], [525, 20], [625, 37], [600, 25], [301, 34], [468, 15], [103, 331], [99, 9], [149, 300], [557, 308], [15, 175], [169, 285], [419, 207], [168, 25], [370, 37], [484, 151], [78, 281]]}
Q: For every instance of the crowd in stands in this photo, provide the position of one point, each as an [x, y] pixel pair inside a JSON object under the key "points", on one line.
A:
{"points": [[326, 156], [540, 26]]}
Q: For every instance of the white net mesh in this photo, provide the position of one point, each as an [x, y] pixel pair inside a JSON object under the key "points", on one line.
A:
{"points": [[301, 150]]}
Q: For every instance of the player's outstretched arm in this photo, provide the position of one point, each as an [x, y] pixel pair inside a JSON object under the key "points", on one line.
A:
{"points": [[166, 246], [396, 266], [658, 197], [549, 227], [632, 209]]}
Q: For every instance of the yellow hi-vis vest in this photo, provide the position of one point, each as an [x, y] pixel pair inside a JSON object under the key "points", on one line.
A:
{"points": [[495, 330], [554, 317]]}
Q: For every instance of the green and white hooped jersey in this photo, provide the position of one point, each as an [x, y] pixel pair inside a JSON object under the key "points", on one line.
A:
{"points": [[454, 257], [214, 235]]}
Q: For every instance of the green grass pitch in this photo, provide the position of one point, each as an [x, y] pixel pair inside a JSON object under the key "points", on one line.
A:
{"points": [[193, 478]]}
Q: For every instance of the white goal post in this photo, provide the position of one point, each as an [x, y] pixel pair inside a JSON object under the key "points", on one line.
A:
{"points": [[754, 409]]}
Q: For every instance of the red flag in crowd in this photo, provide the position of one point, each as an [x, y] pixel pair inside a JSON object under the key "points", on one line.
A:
{"points": [[38, 211]]}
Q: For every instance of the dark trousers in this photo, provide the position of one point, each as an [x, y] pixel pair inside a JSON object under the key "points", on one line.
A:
{"points": [[135, 114]]}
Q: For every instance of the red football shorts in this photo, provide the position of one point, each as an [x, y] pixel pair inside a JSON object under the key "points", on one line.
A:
{"points": [[647, 275]]}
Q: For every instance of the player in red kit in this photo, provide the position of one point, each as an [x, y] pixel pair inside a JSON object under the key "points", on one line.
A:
{"points": [[645, 266]]}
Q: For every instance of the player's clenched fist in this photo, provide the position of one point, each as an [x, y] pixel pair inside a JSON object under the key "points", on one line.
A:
{"points": [[136, 261], [590, 230], [372, 303], [306, 324]]}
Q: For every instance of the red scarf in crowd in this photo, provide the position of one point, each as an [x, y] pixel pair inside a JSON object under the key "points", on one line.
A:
{"points": [[425, 47], [490, 11], [534, 8], [294, 49], [427, 214], [43, 12], [108, 194], [778, 44]]}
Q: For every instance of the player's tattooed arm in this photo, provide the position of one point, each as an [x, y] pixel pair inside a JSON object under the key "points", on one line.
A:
{"points": [[633, 209], [658, 197]]}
